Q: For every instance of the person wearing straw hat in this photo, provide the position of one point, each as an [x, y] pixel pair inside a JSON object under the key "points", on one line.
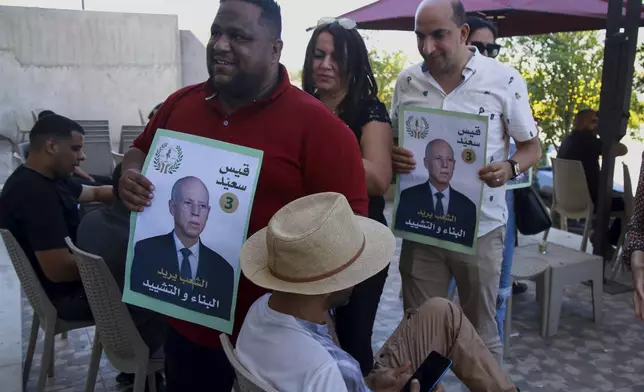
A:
{"points": [[312, 253]]}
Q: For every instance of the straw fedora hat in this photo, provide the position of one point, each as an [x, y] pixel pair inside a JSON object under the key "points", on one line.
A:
{"points": [[316, 245]]}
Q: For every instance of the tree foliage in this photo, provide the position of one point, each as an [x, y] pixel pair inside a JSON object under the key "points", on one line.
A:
{"points": [[563, 72], [296, 77], [386, 66], [638, 79]]}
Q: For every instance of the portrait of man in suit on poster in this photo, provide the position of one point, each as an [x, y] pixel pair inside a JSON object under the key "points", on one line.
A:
{"points": [[435, 203], [199, 278]]}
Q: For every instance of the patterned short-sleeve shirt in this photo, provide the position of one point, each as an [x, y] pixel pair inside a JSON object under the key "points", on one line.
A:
{"points": [[489, 88]]}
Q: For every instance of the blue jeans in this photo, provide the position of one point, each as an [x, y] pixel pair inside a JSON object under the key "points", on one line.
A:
{"points": [[505, 288]]}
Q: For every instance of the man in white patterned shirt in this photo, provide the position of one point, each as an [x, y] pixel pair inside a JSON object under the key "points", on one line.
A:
{"points": [[456, 77], [311, 255]]}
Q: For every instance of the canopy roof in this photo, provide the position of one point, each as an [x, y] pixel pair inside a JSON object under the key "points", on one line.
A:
{"points": [[513, 17]]}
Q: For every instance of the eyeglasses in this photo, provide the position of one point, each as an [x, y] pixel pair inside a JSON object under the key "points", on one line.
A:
{"points": [[489, 50], [347, 23]]}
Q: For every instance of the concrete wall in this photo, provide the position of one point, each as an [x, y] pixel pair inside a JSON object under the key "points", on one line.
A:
{"points": [[86, 65], [193, 59]]}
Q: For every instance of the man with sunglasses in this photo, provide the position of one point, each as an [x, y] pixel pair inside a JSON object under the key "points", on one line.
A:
{"points": [[483, 35], [458, 78]]}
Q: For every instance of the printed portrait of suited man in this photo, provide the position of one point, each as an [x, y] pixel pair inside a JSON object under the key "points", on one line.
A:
{"points": [[448, 208], [181, 254]]}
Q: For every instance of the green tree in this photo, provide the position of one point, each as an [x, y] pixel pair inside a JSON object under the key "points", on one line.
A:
{"points": [[386, 66], [638, 82], [563, 73], [296, 76]]}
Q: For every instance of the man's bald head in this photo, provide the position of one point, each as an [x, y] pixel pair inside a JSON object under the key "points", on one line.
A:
{"points": [[438, 145], [459, 17], [586, 120], [439, 161], [189, 181]]}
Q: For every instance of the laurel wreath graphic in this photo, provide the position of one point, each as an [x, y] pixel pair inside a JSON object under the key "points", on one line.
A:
{"points": [[157, 157], [412, 133], [175, 166], [158, 165]]}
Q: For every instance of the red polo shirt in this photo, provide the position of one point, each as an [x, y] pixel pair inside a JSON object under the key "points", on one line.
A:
{"points": [[306, 149]]}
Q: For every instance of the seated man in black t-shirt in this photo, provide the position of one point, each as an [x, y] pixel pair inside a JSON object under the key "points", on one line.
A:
{"points": [[582, 144], [39, 206]]}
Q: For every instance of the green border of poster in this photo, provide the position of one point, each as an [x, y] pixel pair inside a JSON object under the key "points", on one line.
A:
{"points": [[172, 310], [401, 142], [511, 185], [523, 184]]}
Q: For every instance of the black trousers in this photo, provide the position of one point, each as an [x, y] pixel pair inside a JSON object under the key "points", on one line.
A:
{"points": [[190, 367], [615, 229], [73, 306], [354, 321], [617, 204]]}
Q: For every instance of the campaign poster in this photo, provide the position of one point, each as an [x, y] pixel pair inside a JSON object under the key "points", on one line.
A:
{"points": [[183, 253], [439, 202]]}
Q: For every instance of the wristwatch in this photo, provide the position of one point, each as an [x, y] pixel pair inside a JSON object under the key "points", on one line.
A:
{"points": [[516, 170]]}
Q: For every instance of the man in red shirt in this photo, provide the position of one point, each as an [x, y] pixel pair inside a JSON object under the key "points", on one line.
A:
{"points": [[248, 100]]}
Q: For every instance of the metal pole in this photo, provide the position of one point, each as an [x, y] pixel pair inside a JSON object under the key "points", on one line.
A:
{"points": [[617, 80], [83, 4]]}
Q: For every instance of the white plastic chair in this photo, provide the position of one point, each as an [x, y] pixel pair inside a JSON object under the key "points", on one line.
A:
{"points": [[571, 197], [116, 333], [45, 314], [23, 149], [117, 157], [94, 123], [246, 382], [21, 154], [98, 156], [128, 134]]}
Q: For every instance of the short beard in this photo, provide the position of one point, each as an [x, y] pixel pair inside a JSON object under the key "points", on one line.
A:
{"points": [[242, 86], [444, 70]]}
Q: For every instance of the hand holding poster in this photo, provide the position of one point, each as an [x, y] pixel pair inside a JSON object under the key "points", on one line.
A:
{"points": [[183, 254], [439, 202]]}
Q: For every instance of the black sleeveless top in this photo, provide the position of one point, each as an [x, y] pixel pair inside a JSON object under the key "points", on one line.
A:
{"points": [[371, 110]]}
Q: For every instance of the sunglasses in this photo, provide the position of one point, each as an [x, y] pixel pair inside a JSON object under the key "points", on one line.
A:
{"points": [[492, 50], [348, 24]]}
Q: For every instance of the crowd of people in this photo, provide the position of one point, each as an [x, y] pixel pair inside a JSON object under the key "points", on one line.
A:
{"points": [[328, 160]]}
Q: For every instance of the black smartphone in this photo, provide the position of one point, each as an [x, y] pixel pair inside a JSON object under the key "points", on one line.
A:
{"points": [[430, 372]]}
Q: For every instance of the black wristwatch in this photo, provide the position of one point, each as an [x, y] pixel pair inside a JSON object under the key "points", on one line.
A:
{"points": [[516, 170]]}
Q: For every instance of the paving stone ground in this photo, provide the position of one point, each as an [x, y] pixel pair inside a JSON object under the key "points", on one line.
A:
{"points": [[583, 357]]}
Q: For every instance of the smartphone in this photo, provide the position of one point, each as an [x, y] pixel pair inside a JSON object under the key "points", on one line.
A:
{"points": [[430, 372]]}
